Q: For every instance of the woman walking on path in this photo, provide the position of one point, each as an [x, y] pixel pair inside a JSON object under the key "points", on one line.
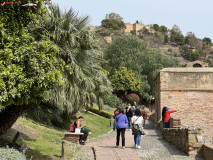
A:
{"points": [[166, 116], [129, 115], [120, 124], [137, 119]]}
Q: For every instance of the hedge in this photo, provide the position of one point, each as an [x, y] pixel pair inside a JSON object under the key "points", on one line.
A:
{"points": [[100, 112]]}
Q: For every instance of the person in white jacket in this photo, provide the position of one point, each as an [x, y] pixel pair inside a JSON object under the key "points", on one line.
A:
{"points": [[137, 119]]}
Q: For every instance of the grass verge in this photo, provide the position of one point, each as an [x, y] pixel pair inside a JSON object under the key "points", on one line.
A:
{"points": [[44, 142]]}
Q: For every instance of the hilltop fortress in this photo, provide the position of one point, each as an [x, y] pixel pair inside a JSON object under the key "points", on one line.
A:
{"points": [[136, 27], [131, 27]]}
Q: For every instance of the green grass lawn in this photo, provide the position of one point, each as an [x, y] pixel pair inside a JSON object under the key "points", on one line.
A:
{"points": [[47, 143], [95, 124]]}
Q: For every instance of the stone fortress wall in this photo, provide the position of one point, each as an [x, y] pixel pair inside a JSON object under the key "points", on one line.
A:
{"points": [[190, 92]]}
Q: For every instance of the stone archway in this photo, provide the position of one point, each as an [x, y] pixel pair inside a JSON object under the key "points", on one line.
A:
{"points": [[197, 65]]}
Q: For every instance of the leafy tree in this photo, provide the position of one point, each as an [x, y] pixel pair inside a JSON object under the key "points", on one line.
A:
{"points": [[125, 80], [193, 41], [131, 52], [209, 61], [28, 68], [177, 37], [79, 50], [114, 16], [163, 29], [166, 39], [176, 29], [113, 22], [114, 101], [156, 27], [190, 55], [143, 31], [207, 41]]}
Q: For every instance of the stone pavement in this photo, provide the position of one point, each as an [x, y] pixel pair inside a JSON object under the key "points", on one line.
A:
{"points": [[153, 147], [105, 149]]}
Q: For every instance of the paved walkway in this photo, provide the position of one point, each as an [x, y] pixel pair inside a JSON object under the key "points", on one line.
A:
{"points": [[153, 147], [105, 150]]}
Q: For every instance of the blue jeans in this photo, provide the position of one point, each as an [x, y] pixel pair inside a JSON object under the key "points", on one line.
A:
{"points": [[165, 124], [137, 139], [129, 123]]}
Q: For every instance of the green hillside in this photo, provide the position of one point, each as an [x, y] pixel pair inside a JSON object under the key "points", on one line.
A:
{"points": [[44, 142]]}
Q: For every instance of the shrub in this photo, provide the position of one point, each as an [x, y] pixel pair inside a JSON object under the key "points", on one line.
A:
{"points": [[10, 153], [100, 112], [132, 98], [114, 101]]}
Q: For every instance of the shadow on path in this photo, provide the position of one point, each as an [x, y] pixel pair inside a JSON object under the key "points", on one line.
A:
{"points": [[154, 147]]}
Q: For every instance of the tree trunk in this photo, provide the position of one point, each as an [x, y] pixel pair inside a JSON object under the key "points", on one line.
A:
{"points": [[99, 106], [9, 115]]}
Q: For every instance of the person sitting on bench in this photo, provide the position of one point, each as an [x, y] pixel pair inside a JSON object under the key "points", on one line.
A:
{"points": [[77, 124]]}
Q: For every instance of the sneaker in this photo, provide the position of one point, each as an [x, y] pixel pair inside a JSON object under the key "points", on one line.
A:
{"points": [[116, 146], [123, 147], [139, 147], [82, 143], [136, 146]]}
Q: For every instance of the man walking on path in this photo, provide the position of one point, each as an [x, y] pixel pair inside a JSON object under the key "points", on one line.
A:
{"points": [[136, 106], [129, 115]]}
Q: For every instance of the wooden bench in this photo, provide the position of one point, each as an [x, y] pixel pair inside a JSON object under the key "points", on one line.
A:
{"points": [[73, 136]]}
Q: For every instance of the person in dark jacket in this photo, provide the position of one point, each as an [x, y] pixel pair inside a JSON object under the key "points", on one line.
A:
{"points": [[136, 106], [129, 115], [120, 124]]}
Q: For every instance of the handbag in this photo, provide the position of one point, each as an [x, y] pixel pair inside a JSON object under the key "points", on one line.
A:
{"points": [[138, 129]]}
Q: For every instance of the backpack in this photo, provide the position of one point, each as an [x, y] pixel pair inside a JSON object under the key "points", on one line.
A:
{"points": [[72, 127]]}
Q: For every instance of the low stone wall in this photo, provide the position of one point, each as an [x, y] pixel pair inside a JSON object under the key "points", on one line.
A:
{"points": [[186, 139], [174, 123], [178, 137], [208, 152]]}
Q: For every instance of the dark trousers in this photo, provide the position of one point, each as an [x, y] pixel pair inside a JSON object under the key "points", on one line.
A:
{"points": [[85, 134], [165, 124], [122, 132]]}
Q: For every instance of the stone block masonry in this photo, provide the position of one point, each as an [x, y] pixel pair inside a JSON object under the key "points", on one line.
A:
{"points": [[186, 139], [190, 92], [208, 152]]}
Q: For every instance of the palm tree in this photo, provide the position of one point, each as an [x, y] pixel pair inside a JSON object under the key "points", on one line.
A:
{"points": [[81, 55]]}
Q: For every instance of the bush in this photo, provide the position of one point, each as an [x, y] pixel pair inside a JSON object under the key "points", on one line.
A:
{"points": [[131, 98], [114, 101], [10, 153], [100, 112]]}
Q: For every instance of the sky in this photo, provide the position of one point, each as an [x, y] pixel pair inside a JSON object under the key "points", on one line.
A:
{"points": [[190, 15]]}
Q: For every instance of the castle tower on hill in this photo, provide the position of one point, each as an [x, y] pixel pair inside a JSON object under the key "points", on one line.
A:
{"points": [[136, 27]]}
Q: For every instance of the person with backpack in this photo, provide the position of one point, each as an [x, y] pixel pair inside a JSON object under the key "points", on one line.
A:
{"points": [[77, 124], [116, 112], [129, 115], [137, 119], [120, 124]]}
